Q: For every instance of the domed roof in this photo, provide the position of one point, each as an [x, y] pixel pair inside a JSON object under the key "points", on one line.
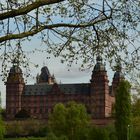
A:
{"points": [[45, 71], [45, 74], [99, 65], [15, 69]]}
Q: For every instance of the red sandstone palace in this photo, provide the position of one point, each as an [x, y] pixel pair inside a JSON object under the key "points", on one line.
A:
{"points": [[39, 99]]}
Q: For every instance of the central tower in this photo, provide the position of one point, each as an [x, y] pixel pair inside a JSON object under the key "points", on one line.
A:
{"points": [[45, 76]]}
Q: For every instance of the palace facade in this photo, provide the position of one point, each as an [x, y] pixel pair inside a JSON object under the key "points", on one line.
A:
{"points": [[40, 98]]}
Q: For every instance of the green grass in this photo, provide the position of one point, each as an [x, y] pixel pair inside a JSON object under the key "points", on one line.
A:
{"points": [[29, 138]]}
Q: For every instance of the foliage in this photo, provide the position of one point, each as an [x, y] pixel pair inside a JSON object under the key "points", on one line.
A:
{"points": [[52, 136], [136, 116], [70, 120], [3, 113], [72, 29], [123, 110], [2, 129], [110, 130], [136, 127], [57, 119], [27, 138], [26, 128], [98, 134], [0, 101], [136, 108]]}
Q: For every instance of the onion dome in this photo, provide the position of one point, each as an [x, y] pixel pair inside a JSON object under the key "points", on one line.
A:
{"points": [[99, 65]]}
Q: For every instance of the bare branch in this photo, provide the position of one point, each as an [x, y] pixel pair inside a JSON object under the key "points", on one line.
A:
{"points": [[35, 30], [27, 9]]}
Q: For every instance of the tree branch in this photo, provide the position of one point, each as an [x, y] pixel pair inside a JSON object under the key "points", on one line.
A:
{"points": [[35, 30], [27, 9]]}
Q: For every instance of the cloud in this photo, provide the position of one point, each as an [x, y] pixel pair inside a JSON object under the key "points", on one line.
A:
{"points": [[72, 73]]}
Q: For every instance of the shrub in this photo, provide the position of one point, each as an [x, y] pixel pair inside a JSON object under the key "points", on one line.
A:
{"points": [[98, 134], [28, 127], [2, 129]]}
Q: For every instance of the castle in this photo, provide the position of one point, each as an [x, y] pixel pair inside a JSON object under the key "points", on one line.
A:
{"points": [[39, 99]]}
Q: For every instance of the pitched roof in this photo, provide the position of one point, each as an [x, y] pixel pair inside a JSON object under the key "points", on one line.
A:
{"points": [[37, 89], [43, 89], [75, 88]]}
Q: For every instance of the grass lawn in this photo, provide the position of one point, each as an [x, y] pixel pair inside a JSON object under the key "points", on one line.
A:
{"points": [[29, 138]]}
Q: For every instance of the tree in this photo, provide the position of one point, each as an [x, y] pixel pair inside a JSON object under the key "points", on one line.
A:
{"points": [[136, 127], [71, 121], [123, 110], [58, 119], [136, 108], [0, 101], [75, 28], [136, 115]]}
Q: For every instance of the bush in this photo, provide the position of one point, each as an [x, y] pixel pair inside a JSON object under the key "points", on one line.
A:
{"points": [[52, 136], [26, 128], [3, 113], [98, 134], [2, 129], [112, 132]]}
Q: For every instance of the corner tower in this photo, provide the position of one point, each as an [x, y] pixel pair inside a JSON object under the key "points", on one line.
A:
{"points": [[99, 91], [14, 89]]}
